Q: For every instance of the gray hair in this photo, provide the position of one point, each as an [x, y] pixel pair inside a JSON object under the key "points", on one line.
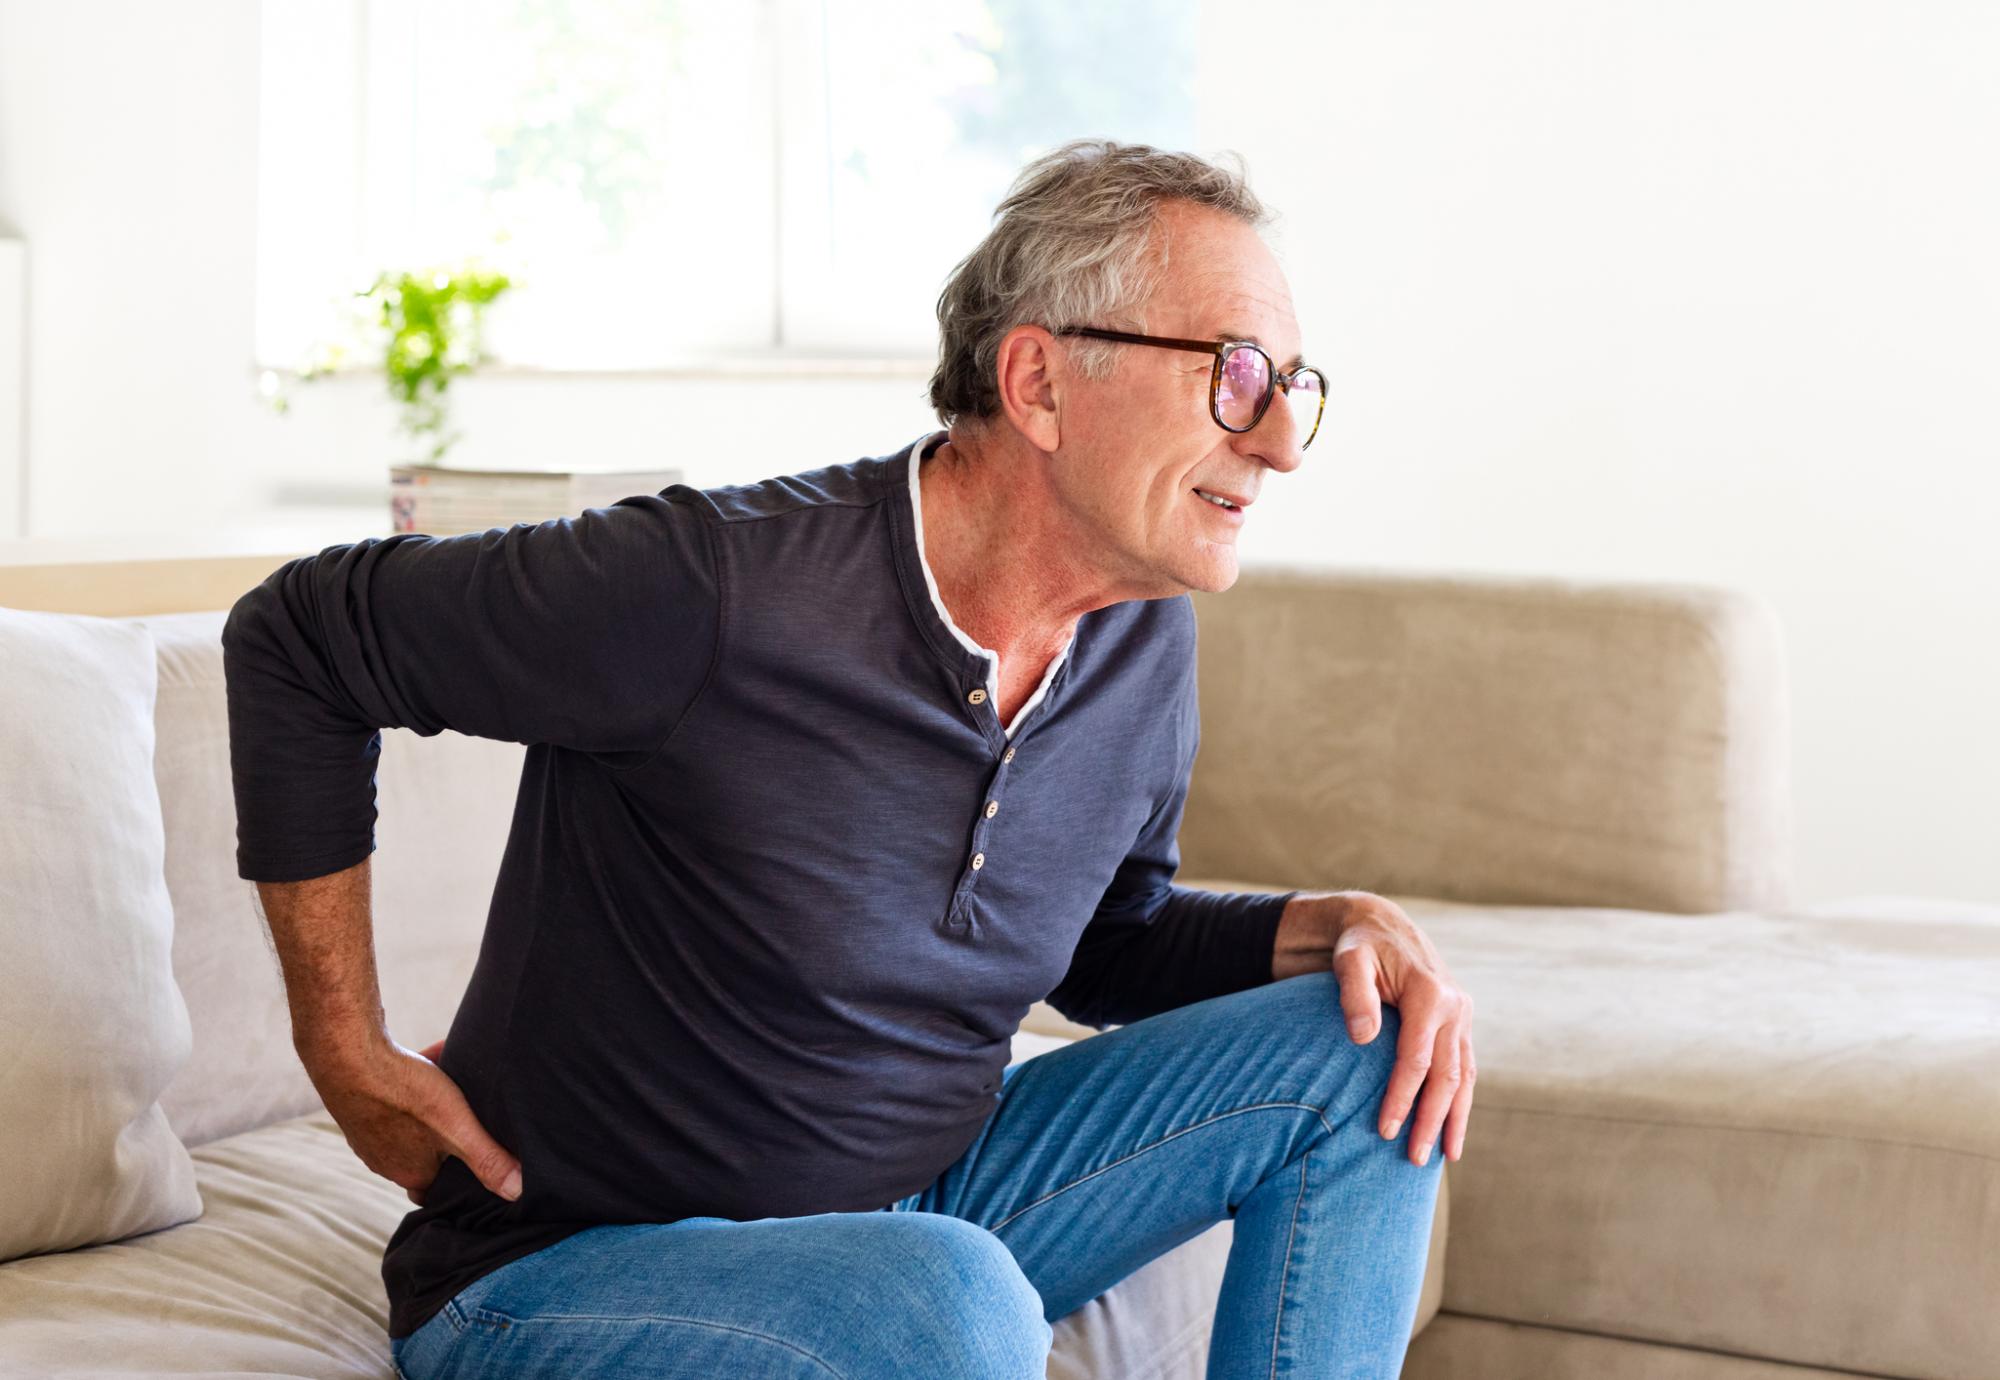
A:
{"points": [[1072, 245]]}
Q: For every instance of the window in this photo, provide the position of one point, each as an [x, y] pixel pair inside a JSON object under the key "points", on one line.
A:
{"points": [[671, 182]]}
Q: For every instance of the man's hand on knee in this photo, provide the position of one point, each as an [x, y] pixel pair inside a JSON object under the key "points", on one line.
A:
{"points": [[1379, 955]]}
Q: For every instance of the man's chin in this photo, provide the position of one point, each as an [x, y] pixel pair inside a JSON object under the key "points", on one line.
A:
{"points": [[1214, 570]]}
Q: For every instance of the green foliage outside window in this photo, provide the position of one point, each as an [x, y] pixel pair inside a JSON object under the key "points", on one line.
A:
{"points": [[429, 325]]}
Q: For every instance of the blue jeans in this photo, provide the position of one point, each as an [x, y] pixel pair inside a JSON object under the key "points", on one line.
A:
{"points": [[1098, 1157]]}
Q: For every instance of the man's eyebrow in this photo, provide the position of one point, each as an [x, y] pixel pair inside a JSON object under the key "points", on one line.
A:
{"points": [[1287, 367]]}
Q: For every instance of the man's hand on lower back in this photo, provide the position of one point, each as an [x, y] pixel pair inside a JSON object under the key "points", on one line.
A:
{"points": [[403, 1115]]}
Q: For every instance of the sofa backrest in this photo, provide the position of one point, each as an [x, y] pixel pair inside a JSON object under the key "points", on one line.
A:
{"points": [[1486, 738]]}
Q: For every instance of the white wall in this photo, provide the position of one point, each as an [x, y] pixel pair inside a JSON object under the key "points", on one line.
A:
{"points": [[13, 376], [1703, 291], [1707, 291], [125, 129]]}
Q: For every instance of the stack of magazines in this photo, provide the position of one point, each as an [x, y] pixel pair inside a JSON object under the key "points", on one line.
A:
{"points": [[444, 501]]}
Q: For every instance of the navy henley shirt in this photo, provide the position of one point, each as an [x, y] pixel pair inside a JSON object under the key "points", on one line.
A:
{"points": [[779, 886]]}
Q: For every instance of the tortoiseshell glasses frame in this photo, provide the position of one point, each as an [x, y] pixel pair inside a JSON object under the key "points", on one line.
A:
{"points": [[1226, 369]]}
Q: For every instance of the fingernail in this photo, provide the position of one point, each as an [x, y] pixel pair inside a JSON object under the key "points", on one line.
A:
{"points": [[512, 1186], [1394, 1127], [1424, 1155]]}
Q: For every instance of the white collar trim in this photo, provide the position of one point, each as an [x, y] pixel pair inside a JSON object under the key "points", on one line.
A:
{"points": [[920, 449]]}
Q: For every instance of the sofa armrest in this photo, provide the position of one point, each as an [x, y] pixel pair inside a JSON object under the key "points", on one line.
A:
{"points": [[1044, 1020], [1527, 741]]}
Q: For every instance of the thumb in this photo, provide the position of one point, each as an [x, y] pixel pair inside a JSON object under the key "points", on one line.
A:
{"points": [[1358, 997], [484, 1156]]}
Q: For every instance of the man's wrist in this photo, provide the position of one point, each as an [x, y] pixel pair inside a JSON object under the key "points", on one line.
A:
{"points": [[339, 1047], [1307, 930]]}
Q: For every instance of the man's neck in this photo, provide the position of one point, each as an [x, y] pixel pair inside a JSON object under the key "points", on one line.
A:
{"points": [[1009, 559]]}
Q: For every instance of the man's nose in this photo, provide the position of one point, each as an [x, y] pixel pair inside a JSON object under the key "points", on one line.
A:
{"points": [[1275, 439]]}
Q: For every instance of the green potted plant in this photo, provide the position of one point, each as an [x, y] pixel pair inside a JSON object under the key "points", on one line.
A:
{"points": [[430, 326]]}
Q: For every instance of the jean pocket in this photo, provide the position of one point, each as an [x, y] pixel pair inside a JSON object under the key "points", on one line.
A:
{"points": [[431, 1351], [486, 1319]]}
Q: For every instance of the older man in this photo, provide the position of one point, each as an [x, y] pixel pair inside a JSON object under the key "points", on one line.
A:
{"points": [[829, 777]]}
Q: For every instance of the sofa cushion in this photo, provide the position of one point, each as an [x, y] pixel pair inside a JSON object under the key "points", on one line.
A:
{"points": [[1773, 1135], [90, 1019], [281, 1276], [277, 1277], [1461, 1348]]}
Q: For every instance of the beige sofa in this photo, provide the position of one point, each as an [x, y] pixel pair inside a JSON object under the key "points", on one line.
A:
{"points": [[1717, 1134]]}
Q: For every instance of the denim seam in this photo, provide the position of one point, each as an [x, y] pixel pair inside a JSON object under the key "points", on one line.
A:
{"points": [[510, 1319], [1278, 1322], [1171, 1135]]}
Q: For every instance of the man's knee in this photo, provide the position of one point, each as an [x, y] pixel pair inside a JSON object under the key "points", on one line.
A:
{"points": [[964, 1304], [1303, 1014]]}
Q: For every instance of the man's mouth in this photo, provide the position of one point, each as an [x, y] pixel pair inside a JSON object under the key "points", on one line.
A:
{"points": [[1219, 501]]}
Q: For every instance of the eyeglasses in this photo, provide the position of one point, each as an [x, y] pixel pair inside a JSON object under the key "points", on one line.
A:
{"points": [[1242, 382]]}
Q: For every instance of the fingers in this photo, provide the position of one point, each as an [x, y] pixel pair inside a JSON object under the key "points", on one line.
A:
{"points": [[433, 1052], [1435, 1031], [467, 1138], [403, 1116], [1461, 1107], [1434, 1051], [1415, 1048], [399, 1164], [1440, 1090], [1356, 970]]}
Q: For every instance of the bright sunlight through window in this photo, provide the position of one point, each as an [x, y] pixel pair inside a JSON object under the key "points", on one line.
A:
{"points": [[670, 182]]}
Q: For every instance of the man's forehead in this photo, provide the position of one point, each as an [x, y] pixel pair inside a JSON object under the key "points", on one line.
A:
{"points": [[1222, 280], [1222, 304]]}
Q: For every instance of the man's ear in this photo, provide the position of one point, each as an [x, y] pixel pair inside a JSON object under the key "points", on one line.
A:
{"points": [[1031, 372]]}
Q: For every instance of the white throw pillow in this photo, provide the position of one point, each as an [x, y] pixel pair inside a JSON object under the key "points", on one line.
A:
{"points": [[92, 1024]]}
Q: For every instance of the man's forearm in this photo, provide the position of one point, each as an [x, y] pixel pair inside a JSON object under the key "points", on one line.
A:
{"points": [[323, 933], [1306, 933]]}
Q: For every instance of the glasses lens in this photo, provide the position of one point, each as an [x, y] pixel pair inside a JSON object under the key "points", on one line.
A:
{"points": [[1307, 399], [1246, 380]]}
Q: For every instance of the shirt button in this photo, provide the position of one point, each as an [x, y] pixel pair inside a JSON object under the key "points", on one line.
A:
{"points": [[1007, 756], [992, 808], [977, 697], [978, 861]]}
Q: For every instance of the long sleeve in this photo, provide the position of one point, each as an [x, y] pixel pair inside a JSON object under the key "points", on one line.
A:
{"points": [[594, 632], [1153, 945]]}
